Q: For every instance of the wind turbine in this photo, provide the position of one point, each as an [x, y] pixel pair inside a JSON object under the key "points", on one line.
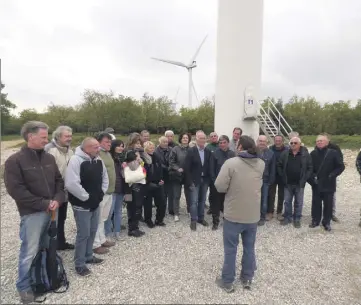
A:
{"points": [[192, 64]]}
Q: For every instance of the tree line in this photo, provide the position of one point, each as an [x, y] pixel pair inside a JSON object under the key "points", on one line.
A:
{"points": [[126, 114]]}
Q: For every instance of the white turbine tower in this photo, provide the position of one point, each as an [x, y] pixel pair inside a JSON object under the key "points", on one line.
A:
{"points": [[192, 64]]}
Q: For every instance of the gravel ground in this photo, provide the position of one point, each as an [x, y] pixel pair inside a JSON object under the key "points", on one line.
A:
{"points": [[175, 265]]}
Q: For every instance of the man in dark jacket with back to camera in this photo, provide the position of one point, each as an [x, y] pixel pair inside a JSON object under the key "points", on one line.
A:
{"points": [[86, 180], [33, 180], [278, 148], [327, 165], [295, 168], [219, 156]]}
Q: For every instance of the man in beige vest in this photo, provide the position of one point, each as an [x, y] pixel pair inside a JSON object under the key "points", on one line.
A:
{"points": [[101, 244], [60, 148], [240, 178]]}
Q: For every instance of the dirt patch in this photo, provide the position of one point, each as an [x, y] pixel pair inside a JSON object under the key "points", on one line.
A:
{"points": [[8, 148]]}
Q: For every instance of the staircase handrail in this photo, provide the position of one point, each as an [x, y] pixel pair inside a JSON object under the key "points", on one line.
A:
{"points": [[280, 125], [281, 117], [266, 115]]}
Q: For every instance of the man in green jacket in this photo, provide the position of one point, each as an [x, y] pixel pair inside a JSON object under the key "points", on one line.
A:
{"points": [[101, 244], [213, 144]]}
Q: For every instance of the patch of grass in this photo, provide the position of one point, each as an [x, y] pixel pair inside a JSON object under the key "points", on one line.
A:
{"points": [[344, 141], [10, 137]]}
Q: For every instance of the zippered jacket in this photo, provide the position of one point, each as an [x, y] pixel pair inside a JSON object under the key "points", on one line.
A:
{"points": [[32, 179], [86, 180]]}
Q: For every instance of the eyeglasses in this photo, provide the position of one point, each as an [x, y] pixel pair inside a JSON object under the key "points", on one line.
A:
{"points": [[294, 143]]}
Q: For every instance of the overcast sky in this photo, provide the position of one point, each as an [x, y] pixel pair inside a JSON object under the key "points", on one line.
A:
{"points": [[52, 50]]}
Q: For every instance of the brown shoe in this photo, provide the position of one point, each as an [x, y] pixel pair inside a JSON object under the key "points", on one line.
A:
{"points": [[269, 216], [280, 217], [100, 250], [108, 244]]}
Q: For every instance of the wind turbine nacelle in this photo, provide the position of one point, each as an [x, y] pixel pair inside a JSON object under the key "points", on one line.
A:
{"points": [[194, 64]]}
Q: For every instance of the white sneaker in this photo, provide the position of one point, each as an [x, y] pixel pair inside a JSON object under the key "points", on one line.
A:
{"points": [[176, 218], [118, 237]]}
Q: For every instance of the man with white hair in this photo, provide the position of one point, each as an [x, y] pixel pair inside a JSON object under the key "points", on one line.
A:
{"points": [[197, 178], [60, 148], [213, 143], [327, 166], [170, 136], [295, 168], [269, 176]]}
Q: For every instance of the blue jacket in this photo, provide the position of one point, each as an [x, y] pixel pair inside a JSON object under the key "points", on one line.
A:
{"points": [[269, 174]]}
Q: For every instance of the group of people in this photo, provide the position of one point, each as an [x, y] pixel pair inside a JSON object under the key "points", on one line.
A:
{"points": [[242, 177]]}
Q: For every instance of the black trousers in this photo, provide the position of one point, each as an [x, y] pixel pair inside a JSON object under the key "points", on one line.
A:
{"points": [[134, 207], [272, 197], [168, 196], [217, 203], [62, 212], [317, 199], [156, 193]]}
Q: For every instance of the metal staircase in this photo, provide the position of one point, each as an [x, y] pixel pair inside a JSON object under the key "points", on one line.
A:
{"points": [[271, 121]]}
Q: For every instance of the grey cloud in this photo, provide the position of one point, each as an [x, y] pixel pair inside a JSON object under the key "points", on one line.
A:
{"points": [[310, 48]]}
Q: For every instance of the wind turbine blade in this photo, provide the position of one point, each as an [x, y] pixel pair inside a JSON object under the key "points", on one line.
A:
{"points": [[199, 48], [195, 92], [177, 63]]}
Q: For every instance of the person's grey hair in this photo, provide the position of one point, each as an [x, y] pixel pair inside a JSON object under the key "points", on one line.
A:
{"points": [[86, 141], [109, 130], [59, 131], [32, 127], [223, 138], [298, 139], [162, 138], [143, 132], [199, 132], [293, 134], [169, 132], [279, 135]]}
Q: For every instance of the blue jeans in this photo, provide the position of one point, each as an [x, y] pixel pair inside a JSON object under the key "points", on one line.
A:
{"points": [[264, 200], [34, 236], [117, 208], [290, 192], [198, 196], [87, 226], [231, 231]]}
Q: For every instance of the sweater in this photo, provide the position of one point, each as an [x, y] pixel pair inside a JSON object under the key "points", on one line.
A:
{"points": [[212, 146], [109, 165]]}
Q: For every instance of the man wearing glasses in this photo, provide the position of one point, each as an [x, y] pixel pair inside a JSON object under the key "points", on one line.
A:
{"points": [[295, 168], [213, 144]]}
